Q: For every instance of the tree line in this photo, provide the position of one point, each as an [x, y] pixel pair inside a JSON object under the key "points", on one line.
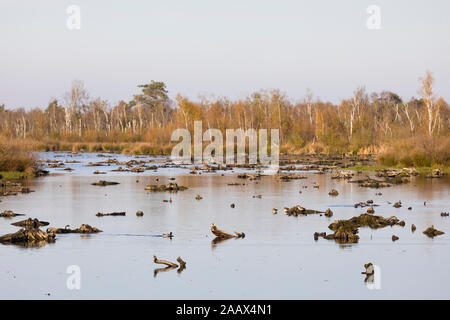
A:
{"points": [[362, 123]]}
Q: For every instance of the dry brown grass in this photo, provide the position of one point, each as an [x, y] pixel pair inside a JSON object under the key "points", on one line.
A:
{"points": [[15, 155], [421, 151]]}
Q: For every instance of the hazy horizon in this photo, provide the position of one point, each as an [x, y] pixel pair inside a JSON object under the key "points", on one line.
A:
{"points": [[221, 48]]}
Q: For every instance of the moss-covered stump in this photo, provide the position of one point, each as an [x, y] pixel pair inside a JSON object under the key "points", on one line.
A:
{"points": [[344, 234], [170, 187], [290, 176], [372, 183], [366, 220], [346, 231], [29, 235]]}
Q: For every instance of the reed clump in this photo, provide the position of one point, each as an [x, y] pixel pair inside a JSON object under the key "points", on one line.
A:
{"points": [[421, 151], [16, 156]]}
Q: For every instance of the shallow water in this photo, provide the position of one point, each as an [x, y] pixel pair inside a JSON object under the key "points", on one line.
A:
{"points": [[278, 258]]}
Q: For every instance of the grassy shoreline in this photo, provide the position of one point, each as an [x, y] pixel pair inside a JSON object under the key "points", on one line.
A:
{"points": [[14, 175]]}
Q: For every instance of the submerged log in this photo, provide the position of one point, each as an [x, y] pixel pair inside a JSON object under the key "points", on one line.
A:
{"points": [[365, 204], [84, 228], [9, 214], [104, 183], [299, 210], [167, 263], [225, 235], [371, 183], [219, 233], [249, 176], [99, 172], [113, 214], [291, 176], [171, 187]]}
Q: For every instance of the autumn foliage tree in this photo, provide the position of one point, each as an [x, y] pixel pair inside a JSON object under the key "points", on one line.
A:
{"points": [[382, 123]]}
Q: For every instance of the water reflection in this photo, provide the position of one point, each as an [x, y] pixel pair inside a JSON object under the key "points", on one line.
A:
{"points": [[158, 270], [121, 256]]}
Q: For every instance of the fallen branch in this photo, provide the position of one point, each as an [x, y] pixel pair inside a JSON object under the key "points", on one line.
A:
{"points": [[225, 235], [167, 263]]}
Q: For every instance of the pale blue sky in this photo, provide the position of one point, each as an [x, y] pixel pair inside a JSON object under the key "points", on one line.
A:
{"points": [[211, 47]]}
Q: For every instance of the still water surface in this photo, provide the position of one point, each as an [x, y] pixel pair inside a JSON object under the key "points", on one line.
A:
{"points": [[278, 259]]}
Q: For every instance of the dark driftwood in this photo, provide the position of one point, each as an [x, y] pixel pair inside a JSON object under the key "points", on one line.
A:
{"points": [[113, 214], [103, 183]]}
